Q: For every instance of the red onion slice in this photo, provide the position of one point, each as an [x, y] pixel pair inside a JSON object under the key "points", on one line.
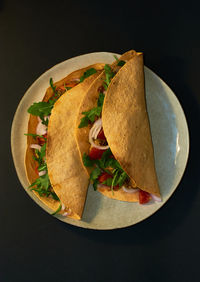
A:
{"points": [[45, 118], [41, 129], [35, 146], [41, 173], [67, 213], [156, 198], [130, 190], [76, 79], [94, 131]]}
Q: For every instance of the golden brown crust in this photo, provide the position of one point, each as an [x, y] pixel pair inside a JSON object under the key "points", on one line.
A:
{"points": [[126, 125], [31, 164]]}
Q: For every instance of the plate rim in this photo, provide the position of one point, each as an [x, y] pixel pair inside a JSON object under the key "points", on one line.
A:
{"points": [[45, 208]]}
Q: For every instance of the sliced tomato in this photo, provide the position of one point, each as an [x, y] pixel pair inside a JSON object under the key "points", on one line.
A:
{"points": [[115, 188], [95, 154], [101, 89], [101, 135], [41, 140], [144, 197], [104, 176]]}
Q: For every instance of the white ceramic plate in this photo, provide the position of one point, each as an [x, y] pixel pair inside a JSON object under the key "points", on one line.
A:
{"points": [[170, 139]]}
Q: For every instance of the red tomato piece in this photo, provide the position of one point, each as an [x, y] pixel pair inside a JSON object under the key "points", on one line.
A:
{"points": [[104, 176], [101, 135], [101, 89], [144, 197], [95, 154], [115, 188], [41, 140]]}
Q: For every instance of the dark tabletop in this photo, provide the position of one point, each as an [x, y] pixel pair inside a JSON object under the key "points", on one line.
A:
{"points": [[36, 35]]}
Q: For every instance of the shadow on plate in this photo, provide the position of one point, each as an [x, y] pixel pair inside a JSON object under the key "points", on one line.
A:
{"points": [[172, 215]]}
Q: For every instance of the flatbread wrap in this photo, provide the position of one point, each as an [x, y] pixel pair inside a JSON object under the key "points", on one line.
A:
{"points": [[44, 152], [113, 133]]}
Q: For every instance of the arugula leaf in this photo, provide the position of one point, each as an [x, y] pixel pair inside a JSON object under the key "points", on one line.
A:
{"points": [[122, 178], [91, 114], [42, 183], [87, 161], [105, 157], [108, 182], [95, 173], [42, 167], [84, 122], [43, 187], [94, 177], [100, 100], [111, 162], [87, 73], [95, 183], [107, 161], [51, 84], [54, 195], [114, 180], [44, 121], [40, 109], [45, 182], [58, 209], [118, 175], [109, 75], [116, 58], [35, 135], [119, 62], [41, 155]]}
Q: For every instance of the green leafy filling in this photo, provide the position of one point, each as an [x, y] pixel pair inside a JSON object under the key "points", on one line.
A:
{"points": [[117, 175], [42, 184], [35, 136], [90, 115], [52, 86], [58, 209], [43, 109], [87, 73], [109, 75], [40, 109], [119, 62]]}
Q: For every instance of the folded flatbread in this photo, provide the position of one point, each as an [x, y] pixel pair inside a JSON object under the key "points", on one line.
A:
{"points": [[67, 176], [126, 126]]}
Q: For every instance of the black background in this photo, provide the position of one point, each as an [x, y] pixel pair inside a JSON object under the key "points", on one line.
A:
{"points": [[35, 36]]}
